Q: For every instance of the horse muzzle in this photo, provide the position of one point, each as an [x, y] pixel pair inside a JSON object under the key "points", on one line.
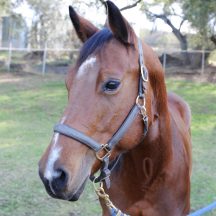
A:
{"points": [[57, 186]]}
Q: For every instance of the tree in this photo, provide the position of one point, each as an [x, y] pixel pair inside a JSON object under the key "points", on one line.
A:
{"points": [[202, 16], [4, 6], [47, 18], [49, 23], [167, 13]]}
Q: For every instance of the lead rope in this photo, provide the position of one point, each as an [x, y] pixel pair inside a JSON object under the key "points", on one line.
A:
{"points": [[114, 211]]}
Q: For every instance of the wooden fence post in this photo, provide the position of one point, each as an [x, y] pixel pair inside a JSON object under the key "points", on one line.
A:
{"points": [[9, 56], [44, 59], [203, 62]]}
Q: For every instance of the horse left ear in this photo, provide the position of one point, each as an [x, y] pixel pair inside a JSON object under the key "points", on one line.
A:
{"points": [[83, 27], [119, 26]]}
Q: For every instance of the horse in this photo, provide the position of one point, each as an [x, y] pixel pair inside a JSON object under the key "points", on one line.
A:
{"points": [[117, 94]]}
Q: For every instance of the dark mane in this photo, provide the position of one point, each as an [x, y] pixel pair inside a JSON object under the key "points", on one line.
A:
{"points": [[93, 43]]}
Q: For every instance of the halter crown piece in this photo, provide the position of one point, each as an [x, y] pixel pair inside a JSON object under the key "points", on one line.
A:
{"points": [[106, 168]]}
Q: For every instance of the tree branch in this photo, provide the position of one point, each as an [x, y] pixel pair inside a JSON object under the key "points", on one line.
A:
{"points": [[131, 6], [126, 7], [176, 32], [102, 1], [181, 24]]}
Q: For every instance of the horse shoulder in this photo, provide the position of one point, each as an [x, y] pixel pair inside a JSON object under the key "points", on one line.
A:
{"points": [[180, 115], [178, 106]]}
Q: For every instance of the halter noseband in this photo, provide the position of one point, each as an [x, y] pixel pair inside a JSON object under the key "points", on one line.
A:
{"points": [[139, 107]]}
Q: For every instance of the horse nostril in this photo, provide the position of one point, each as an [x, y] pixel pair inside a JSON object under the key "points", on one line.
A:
{"points": [[59, 182]]}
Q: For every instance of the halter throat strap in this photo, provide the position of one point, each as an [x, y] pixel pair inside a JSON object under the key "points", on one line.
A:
{"points": [[139, 107]]}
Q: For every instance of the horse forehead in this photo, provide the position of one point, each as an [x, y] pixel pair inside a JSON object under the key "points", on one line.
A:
{"points": [[89, 64]]}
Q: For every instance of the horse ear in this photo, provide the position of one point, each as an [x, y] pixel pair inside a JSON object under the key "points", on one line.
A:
{"points": [[83, 27], [119, 26]]}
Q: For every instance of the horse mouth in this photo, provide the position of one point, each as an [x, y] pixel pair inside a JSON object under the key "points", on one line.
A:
{"points": [[76, 195], [65, 195]]}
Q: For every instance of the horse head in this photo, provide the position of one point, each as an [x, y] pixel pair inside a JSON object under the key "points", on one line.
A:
{"points": [[102, 89]]}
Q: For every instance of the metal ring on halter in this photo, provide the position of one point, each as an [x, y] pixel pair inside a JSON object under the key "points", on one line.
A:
{"points": [[141, 102], [106, 149], [144, 73]]}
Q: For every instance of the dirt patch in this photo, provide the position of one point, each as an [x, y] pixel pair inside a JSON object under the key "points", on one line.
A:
{"points": [[23, 80]]}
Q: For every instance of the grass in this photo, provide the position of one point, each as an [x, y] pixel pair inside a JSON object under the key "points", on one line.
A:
{"points": [[29, 107]]}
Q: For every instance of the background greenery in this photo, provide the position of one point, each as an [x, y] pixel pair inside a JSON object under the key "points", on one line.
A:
{"points": [[29, 107]]}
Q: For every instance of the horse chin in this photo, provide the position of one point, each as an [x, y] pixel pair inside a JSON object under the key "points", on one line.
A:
{"points": [[76, 196]]}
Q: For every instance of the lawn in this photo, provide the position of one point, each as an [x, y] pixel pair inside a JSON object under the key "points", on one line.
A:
{"points": [[30, 106]]}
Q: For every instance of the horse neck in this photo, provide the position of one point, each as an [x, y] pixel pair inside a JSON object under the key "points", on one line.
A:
{"points": [[152, 156], [156, 148], [159, 134]]}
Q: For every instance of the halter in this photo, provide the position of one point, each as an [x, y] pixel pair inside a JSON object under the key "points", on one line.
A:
{"points": [[139, 107]]}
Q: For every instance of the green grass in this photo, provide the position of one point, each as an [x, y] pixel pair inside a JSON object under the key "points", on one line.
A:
{"points": [[29, 107]]}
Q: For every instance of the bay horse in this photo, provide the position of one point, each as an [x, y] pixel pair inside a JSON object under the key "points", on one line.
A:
{"points": [[150, 150]]}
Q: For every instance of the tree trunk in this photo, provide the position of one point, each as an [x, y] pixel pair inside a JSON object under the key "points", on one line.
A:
{"points": [[184, 46], [213, 39], [181, 38]]}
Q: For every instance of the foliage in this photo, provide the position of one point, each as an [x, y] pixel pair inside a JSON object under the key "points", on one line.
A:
{"points": [[158, 39], [197, 42], [212, 58], [4, 7], [166, 14], [51, 24], [46, 21], [202, 16]]}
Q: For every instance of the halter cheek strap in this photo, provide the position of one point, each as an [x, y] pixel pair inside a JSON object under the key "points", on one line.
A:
{"points": [[139, 107]]}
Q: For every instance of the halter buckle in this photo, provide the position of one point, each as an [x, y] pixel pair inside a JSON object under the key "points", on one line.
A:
{"points": [[104, 147], [141, 103]]}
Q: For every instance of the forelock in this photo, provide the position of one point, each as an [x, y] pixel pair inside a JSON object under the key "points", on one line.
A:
{"points": [[94, 43]]}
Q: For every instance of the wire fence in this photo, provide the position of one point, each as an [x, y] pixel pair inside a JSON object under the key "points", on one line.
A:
{"points": [[188, 61], [51, 60]]}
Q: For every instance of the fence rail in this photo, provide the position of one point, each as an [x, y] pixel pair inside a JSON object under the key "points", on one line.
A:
{"points": [[165, 55]]}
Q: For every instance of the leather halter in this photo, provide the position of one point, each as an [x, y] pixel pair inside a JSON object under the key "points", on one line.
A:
{"points": [[139, 107]]}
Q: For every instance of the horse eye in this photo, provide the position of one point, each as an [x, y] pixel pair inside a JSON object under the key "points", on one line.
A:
{"points": [[111, 85]]}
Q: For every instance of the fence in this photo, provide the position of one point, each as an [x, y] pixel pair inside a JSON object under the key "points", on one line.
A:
{"points": [[195, 59], [58, 60]]}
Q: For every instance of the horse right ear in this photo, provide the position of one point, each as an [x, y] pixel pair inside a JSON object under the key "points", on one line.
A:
{"points": [[119, 26], [83, 27]]}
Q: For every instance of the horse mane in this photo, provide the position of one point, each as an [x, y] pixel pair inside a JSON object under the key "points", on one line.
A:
{"points": [[97, 41], [159, 102], [156, 79], [94, 43]]}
